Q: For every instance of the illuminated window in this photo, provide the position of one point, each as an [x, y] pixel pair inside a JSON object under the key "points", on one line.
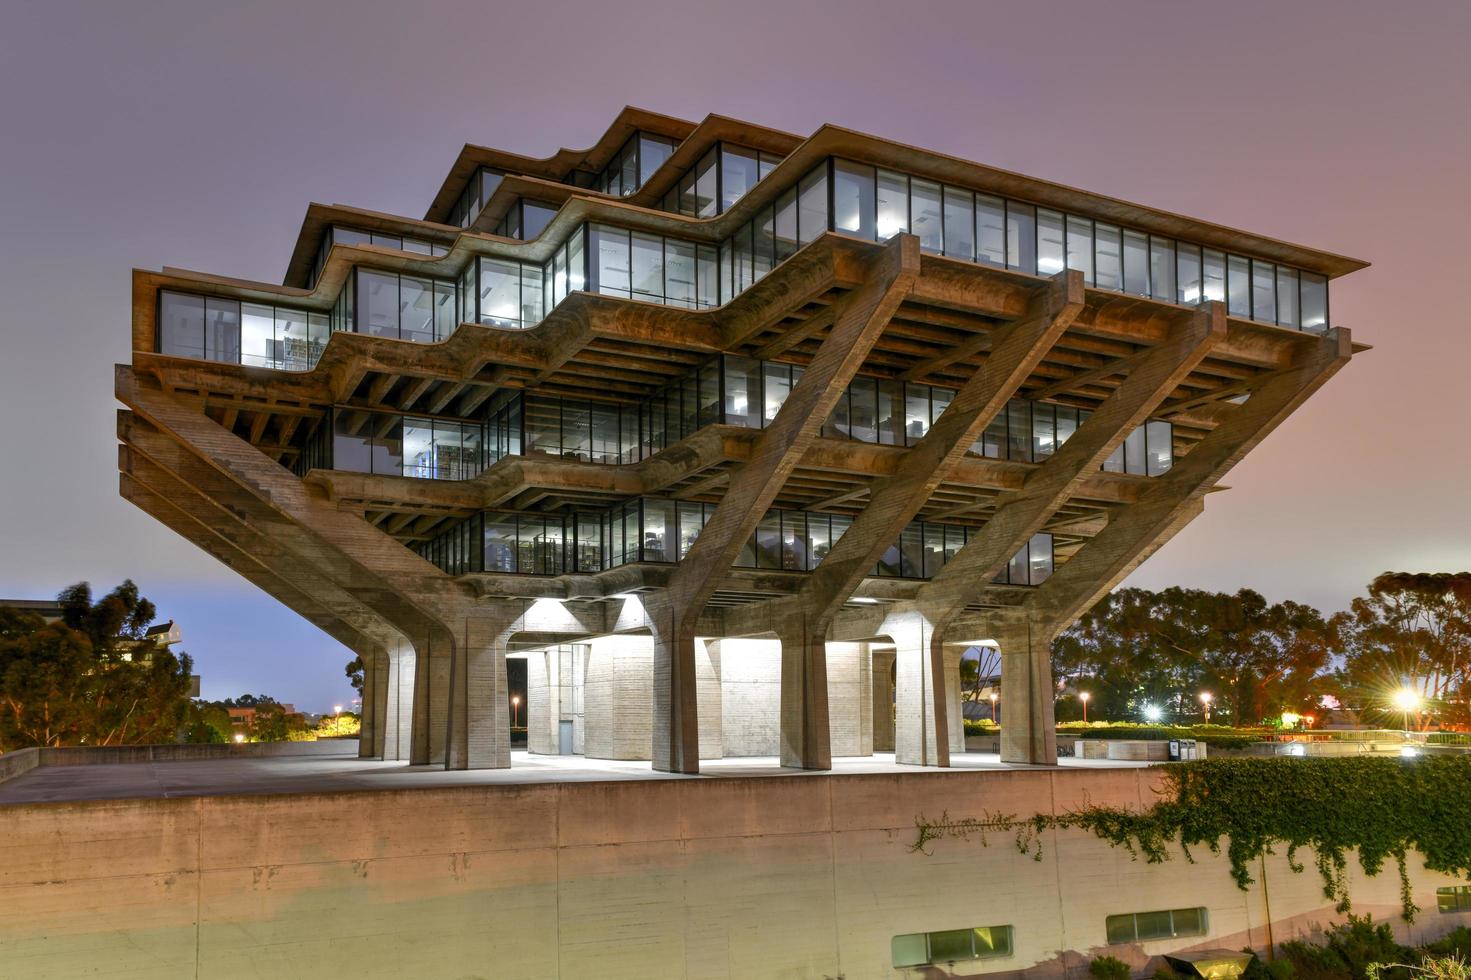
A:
{"points": [[951, 946], [1455, 899], [1138, 927]]}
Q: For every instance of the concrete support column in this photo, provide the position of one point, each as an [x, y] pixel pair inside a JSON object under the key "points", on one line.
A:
{"points": [[921, 725], [369, 722], [882, 671], [432, 654], [1028, 722], [954, 716], [676, 726], [396, 698], [617, 701], [478, 733], [806, 738]]}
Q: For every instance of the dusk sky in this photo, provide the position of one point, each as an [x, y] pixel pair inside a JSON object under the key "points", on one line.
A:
{"points": [[193, 134]]}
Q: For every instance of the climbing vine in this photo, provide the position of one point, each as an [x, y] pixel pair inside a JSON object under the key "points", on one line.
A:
{"points": [[1382, 808]]}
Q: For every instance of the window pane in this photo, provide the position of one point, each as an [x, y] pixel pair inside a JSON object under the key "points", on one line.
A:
{"points": [[1189, 268], [853, 201], [778, 386], [611, 265], [1287, 296], [1108, 270], [653, 151], [1039, 558], [648, 265], [1019, 430], [863, 410], [705, 203], [416, 303], [352, 442], [1120, 928], [786, 224], [1021, 237], [534, 218], [659, 537], [1050, 254], [1044, 430], [1263, 291], [993, 941], [1016, 569], [1162, 269], [794, 551], [924, 214], [576, 262], [990, 230], [707, 289], [1238, 286], [742, 392], [418, 449], [956, 944], [893, 204], [1080, 246], [916, 412], [812, 205], [499, 542], [768, 541], [1189, 922], [1314, 292], [222, 330], [738, 174], [377, 304], [1153, 925], [500, 292], [1213, 275], [1134, 452], [257, 335], [909, 950], [679, 273], [387, 445], [181, 325], [960, 224], [1136, 263], [1159, 437], [533, 294], [764, 229]]}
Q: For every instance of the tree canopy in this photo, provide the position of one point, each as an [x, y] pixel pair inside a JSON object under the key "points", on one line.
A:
{"points": [[89, 678]]}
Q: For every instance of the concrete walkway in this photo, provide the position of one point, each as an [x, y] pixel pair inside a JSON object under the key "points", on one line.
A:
{"points": [[344, 773]]}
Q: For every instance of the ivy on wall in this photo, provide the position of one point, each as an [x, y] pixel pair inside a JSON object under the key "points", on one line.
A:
{"points": [[1383, 808]]}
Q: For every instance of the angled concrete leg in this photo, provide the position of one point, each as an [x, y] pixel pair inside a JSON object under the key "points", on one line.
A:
{"points": [[370, 728], [1028, 724], [921, 725], [432, 666], [676, 743]]}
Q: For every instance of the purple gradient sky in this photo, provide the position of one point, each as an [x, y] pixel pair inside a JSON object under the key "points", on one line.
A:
{"points": [[194, 134]]}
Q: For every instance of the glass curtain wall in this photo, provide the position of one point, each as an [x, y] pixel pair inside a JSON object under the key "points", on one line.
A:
{"points": [[339, 235], [526, 220], [212, 328], [473, 198], [404, 445], [653, 268], [634, 163], [873, 203], [722, 177], [402, 307], [648, 529]]}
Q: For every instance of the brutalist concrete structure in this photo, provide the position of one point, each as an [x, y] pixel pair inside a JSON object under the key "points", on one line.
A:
{"points": [[740, 438]]}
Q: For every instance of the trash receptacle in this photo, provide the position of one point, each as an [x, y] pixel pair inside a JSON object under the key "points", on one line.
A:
{"points": [[1174, 750]]}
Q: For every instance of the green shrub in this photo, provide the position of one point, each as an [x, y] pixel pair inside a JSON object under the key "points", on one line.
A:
{"points": [[981, 726], [1256, 969], [1215, 736], [1163, 972], [1348, 952], [1109, 968], [1457, 942]]}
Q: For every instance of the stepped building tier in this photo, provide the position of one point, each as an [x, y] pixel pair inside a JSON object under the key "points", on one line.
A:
{"points": [[739, 439]]}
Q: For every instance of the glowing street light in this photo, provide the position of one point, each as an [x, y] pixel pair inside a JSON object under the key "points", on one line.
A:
{"points": [[515, 704], [1085, 697], [337, 721], [993, 708], [239, 737], [1152, 713], [1206, 698], [1406, 700]]}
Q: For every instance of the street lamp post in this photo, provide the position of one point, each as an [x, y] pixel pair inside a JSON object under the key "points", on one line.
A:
{"points": [[337, 720], [994, 719], [1205, 699], [1084, 697], [515, 704], [1406, 700]]}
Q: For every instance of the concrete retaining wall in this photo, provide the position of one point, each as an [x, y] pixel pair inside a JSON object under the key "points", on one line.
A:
{"points": [[789, 876], [20, 761], [13, 764]]}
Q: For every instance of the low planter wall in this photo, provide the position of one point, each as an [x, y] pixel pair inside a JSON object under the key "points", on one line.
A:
{"points": [[21, 761]]}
